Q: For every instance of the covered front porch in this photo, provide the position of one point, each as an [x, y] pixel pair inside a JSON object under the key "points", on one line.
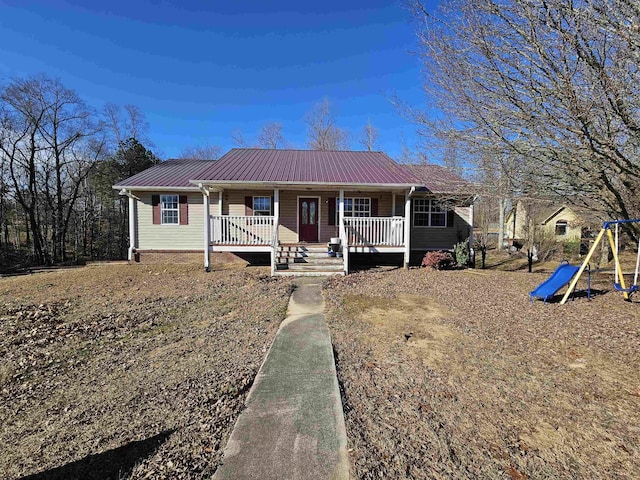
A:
{"points": [[364, 221]]}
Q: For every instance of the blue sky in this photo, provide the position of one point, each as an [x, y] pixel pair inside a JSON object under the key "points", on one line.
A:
{"points": [[201, 70]]}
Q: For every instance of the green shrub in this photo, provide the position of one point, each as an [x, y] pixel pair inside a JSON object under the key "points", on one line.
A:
{"points": [[571, 248], [438, 260], [461, 253]]}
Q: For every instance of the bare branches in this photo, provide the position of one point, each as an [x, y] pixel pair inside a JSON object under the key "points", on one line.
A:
{"points": [[369, 137], [237, 137], [322, 132], [271, 136], [123, 123], [552, 87], [201, 152], [49, 142]]}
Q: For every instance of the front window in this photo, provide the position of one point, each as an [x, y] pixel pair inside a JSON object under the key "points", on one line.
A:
{"points": [[429, 213], [355, 207], [561, 227], [261, 206], [169, 209]]}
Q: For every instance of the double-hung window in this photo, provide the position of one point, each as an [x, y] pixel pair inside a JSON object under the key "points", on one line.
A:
{"points": [[261, 206], [355, 207], [169, 209], [429, 213]]}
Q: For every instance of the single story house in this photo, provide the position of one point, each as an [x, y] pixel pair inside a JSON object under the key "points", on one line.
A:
{"points": [[291, 204]]}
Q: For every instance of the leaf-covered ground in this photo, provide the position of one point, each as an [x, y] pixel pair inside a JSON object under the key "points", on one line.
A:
{"points": [[457, 375], [120, 371]]}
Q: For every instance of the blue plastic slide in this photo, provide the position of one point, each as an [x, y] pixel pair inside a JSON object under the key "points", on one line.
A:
{"points": [[561, 277]]}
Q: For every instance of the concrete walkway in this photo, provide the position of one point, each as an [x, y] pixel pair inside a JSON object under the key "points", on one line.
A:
{"points": [[293, 426]]}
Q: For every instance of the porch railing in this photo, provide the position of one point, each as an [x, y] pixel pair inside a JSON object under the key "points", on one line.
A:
{"points": [[242, 230], [387, 231]]}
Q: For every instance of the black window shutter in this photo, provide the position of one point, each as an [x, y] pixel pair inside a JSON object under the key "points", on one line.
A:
{"points": [[374, 207], [332, 211], [184, 210], [155, 204]]}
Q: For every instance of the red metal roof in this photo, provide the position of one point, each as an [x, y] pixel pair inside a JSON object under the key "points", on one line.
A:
{"points": [[253, 165], [438, 179], [171, 173]]}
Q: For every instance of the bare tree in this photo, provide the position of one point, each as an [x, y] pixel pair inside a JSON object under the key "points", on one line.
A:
{"points": [[369, 137], [413, 155], [237, 137], [271, 136], [485, 215], [49, 143], [322, 132], [201, 152], [124, 123], [554, 84], [539, 245]]}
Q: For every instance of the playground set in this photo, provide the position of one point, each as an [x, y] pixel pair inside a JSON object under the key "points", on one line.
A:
{"points": [[570, 274]]}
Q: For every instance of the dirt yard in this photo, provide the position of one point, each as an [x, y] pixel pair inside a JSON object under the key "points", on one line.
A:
{"points": [[456, 375], [113, 372]]}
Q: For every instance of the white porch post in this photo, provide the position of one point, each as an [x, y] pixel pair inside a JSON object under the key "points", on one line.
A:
{"points": [[342, 232], [207, 226], [276, 221], [132, 226], [220, 203], [407, 228]]}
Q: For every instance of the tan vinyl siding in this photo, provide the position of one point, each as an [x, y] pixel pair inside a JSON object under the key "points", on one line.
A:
{"points": [[170, 237], [574, 226], [233, 204], [432, 238]]}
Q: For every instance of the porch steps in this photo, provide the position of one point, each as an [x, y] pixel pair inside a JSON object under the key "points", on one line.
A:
{"points": [[307, 260]]}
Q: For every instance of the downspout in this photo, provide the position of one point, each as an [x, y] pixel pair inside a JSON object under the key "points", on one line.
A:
{"points": [[206, 229], [132, 219]]}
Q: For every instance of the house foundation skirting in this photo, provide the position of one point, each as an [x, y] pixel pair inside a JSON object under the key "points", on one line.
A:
{"points": [[167, 256], [148, 257]]}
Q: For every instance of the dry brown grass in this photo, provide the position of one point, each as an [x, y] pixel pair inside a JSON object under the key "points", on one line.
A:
{"points": [[129, 371], [457, 375]]}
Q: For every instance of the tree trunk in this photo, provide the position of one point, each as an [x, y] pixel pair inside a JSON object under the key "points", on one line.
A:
{"points": [[501, 224]]}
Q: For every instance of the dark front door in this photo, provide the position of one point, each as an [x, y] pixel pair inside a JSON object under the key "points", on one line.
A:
{"points": [[308, 219]]}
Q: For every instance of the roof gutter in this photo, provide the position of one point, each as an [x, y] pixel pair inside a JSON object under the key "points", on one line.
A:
{"points": [[242, 183], [127, 193], [147, 188]]}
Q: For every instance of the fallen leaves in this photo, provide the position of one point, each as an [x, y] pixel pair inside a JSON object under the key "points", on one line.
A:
{"points": [[518, 390], [107, 356]]}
